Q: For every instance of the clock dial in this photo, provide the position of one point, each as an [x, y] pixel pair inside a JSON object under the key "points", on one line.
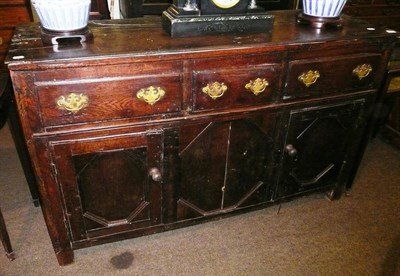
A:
{"points": [[225, 4]]}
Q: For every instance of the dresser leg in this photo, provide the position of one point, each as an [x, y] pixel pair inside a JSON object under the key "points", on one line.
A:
{"points": [[335, 194], [65, 257], [11, 256]]}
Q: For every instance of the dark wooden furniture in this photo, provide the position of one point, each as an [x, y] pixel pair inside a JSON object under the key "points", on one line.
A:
{"points": [[12, 12], [270, 5], [149, 133], [391, 129], [378, 12], [3, 105], [384, 13], [99, 10], [10, 113], [135, 8], [388, 125], [5, 239]]}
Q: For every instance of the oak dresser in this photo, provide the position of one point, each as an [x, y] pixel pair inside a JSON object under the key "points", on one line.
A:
{"points": [[136, 133]]}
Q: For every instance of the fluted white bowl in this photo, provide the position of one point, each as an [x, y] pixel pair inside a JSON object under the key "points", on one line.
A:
{"points": [[62, 15], [323, 8]]}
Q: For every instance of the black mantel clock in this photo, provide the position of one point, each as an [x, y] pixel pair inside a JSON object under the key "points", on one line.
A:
{"points": [[204, 17]]}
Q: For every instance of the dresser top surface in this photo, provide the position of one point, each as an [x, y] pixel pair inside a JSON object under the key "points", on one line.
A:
{"points": [[144, 38]]}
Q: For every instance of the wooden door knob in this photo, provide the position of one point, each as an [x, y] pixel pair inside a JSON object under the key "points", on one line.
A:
{"points": [[155, 174], [291, 150]]}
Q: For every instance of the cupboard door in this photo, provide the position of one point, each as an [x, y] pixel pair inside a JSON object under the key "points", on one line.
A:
{"points": [[109, 184], [225, 165], [318, 145]]}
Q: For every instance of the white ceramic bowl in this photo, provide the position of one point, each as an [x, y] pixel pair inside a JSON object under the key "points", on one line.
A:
{"points": [[323, 8], [62, 15]]}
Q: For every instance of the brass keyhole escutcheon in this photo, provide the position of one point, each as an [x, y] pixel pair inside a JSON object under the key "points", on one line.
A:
{"points": [[150, 95], [73, 102], [215, 89], [257, 86], [362, 71], [309, 77]]}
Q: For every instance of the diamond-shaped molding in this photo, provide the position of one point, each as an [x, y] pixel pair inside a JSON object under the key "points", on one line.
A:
{"points": [[104, 179], [335, 123], [251, 130]]}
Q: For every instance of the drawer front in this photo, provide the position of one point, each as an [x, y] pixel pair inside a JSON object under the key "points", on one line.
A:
{"points": [[327, 76], [227, 88], [66, 102]]}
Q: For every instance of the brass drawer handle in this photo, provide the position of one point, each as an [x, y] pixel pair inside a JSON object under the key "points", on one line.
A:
{"points": [[215, 90], [1, 41], [363, 70], [73, 102], [309, 78], [257, 86], [150, 95]]}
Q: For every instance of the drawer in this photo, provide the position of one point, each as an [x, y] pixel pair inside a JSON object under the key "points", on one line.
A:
{"points": [[90, 100], [12, 16], [235, 87], [327, 75]]}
